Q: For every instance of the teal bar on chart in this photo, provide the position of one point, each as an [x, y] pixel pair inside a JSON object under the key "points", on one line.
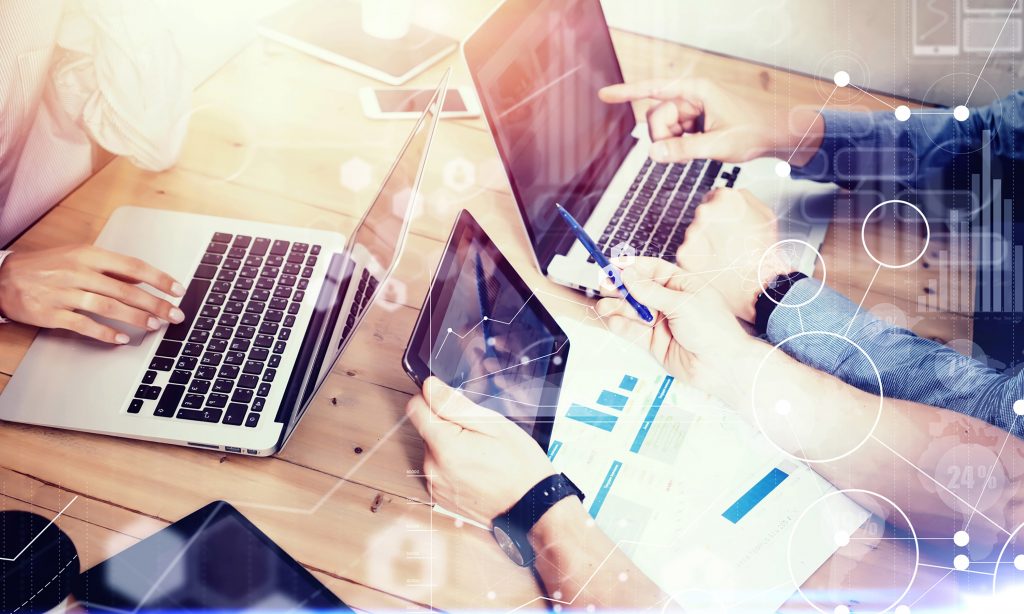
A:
{"points": [[592, 417]]}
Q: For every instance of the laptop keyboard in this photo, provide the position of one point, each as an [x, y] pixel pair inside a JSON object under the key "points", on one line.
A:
{"points": [[240, 308], [660, 204], [364, 292]]}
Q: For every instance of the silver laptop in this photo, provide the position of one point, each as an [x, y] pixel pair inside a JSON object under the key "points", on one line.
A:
{"points": [[538, 66], [268, 311]]}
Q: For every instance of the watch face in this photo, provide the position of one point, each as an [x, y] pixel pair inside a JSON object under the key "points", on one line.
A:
{"points": [[508, 546]]}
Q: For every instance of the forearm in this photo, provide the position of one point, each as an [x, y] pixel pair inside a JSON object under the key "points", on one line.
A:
{"points": [[580, 566], [865, 442]]}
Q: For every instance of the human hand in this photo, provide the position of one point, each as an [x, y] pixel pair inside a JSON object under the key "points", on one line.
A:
{"points": [[49, 288], [477, 462], [695, 118], [694, 336], [728, 245]]}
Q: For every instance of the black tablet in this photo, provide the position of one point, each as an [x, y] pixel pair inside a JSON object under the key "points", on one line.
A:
{"points": [[214, 559], [482, 330]]}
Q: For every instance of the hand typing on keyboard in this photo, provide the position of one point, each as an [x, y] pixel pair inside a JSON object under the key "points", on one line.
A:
{"points": [[52, 288], [695, 118]]}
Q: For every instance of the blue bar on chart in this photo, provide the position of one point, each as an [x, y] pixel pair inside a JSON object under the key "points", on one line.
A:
{"points": [[553, 449], [609, 479], [613, 400], [592, 417], [652, 413], [628, 383], [755, 495]]}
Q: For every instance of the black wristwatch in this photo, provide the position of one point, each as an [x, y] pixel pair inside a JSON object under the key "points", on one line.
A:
{"points": [[769, 298], [512, 529]]}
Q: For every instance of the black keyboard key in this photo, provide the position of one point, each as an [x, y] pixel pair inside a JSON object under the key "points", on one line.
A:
{"points": [[239, 295], [220, 286], [250, 319], [190, 305], [263, 390], [245, 332], [300, 247], [248, 381], [311, 261], [291, 269], [180, 377], [169, 400], [270, 271], [242, 395], [260, 246], [258, 404], [142, 392], [314, 250], [168, 348], [136, 406], [228, 372], [228, 319], [222, 237], [294, 308], [253, 367], [193, 401], [190, 414], [217, 248], [265, 283], [296, 258], [199, 386], [232, 264], [279, 347], [149, 377], [211, 259], [209, 311], [223, 386], [269, 375], [217, 401], [216, 299], [236, 253], [275, 361], [307, 271], [242, 241], [248, 272], [226, 275], [289, 321], [235, 414], [211, 359], [285, 334], [234, 307], [261, 295], [269, 328], [234, 358], [255, 307], [282, 292], [254, 261], [287, 280], [259, 354], [252, 420], [161, 363], [275, 261], [264, 341], [279, 248], [187, 363], [299, 295], [206, 372], [217, 345], [303, 284], [239, 345], [205, 323], [279, 303]]}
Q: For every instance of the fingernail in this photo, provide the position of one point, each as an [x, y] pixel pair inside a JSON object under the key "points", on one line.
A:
{"points": [[177, 315], [152, 323], [121, 338], [658, 151], [177, 289]]}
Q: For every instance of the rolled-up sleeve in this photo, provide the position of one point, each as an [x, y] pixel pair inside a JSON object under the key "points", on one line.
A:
{"points": [[828, 329], [121, 76]]}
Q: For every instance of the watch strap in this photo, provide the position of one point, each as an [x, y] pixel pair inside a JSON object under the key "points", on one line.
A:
{"points": [[520, 518], [770, 298]]}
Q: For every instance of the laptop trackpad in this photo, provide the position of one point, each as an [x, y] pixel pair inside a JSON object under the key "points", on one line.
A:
{"points": [[135, 335]]}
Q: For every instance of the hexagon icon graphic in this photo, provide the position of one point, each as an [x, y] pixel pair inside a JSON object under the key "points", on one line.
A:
{"points": [[355, 174], [459, 174]]}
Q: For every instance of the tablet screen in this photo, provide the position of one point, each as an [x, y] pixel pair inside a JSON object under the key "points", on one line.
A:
{"points": [[483, 331], [212, 560]]}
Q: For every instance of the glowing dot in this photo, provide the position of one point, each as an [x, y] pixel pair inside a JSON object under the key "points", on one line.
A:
{"points": [[902, 113], [782, 168], [902, 609], [842, 609], [557, 360], [623, 576], [490, 341], [842, 538], [1018, 562], [783, 407], [590, 607], [1018, 407], [841, 78], [491, 595], [449, 329], [459, 523], [961, 562], [556, 595], [557, 607], [961, 538], [486, 318], [524, 360], [961, 113]]}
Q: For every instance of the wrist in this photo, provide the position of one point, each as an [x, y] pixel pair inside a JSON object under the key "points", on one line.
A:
{"points": [[559, 522], [805, 133]]}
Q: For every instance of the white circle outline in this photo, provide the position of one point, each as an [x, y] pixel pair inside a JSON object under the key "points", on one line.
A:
{"points": [[999, 559], [757, 375], [824, 272], [927, 234], [910, 525]]}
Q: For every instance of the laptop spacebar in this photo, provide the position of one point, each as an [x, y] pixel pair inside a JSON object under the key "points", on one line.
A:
{"points": [[190, 305]]}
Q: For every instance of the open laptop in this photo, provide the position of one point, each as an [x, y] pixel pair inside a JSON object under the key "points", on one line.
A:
{"points": [[268, 311], [537, 66]]}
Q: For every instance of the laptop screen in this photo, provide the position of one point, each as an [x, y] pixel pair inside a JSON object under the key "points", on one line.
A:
{"points": [[537, 68]]}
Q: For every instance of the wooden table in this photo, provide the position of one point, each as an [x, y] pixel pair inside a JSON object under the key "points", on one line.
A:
{"points": [[268, 140]]}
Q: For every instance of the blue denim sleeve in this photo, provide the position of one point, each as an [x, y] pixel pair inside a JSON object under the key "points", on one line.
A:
{"points": [[858, 146], [824, 334]]}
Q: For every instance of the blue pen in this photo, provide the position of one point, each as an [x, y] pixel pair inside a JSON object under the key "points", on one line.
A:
{"points": [[598, 257]]}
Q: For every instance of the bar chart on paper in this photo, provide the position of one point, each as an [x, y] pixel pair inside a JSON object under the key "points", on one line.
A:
{"points": [[611, 404]]}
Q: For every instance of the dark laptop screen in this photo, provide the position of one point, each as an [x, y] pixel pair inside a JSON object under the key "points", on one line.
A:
{"points": [[538, 66]]}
